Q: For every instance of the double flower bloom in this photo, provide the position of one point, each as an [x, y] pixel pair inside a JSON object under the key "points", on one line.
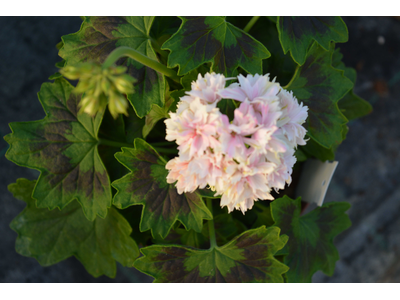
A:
{"points": [[242, 159]]}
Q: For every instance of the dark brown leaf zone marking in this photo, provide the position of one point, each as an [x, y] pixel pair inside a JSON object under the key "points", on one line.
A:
{"points": [[146, 185], [297, 27], [314, 249], [97, 42], [163, 201], [320, 88], [63, 149], [255, 263], [200, 40]]}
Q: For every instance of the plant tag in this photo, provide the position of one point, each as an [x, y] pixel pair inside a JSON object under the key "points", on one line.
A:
{"points": [[314, 180]]}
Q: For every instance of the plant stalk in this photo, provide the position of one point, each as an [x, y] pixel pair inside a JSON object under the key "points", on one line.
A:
{"points": [[213, 239], [139, 57], [250, 24]]}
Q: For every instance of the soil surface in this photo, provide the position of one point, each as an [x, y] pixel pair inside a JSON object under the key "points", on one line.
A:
{"points": [[367, 176]]}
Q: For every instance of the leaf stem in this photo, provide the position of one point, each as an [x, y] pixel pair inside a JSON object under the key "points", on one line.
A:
{"points": [[250, 24], [213, 239], [114, 143], [139, 57]]}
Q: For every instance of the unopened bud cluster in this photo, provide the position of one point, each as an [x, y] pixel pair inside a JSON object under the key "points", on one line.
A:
{"points": [[101, 86], [242, 159]]}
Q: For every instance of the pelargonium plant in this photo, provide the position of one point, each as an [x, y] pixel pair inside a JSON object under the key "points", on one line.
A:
{"points": [[179, 149]]}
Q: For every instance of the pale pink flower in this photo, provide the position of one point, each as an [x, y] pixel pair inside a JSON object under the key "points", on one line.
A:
{"points": [[247, 184], [293, 116], [254, 88], [194, 130], [282, 174], [241, 160], [178, 171], [207, 88], [233, 136]]}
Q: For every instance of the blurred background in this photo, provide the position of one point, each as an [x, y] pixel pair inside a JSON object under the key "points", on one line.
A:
{"points": [[368, 174]]}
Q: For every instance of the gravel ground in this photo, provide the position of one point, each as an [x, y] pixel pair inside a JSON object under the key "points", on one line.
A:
{"points": [[367, 176]]}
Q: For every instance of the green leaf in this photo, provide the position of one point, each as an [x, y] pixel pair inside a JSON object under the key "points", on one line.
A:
{"points": [[52, 236], [247, 258], [99, 36], [146, 185], [319, 86], [298, 33], [63, 147], [351, 105], [310, 247], [157, 113], [55, 76], [212, 39]]}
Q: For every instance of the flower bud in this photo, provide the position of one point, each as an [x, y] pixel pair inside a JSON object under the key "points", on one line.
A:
{"points": [[101, 87]]}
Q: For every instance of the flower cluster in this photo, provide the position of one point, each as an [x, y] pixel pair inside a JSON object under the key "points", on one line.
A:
{"points": [[101, 86], [242, 159]]}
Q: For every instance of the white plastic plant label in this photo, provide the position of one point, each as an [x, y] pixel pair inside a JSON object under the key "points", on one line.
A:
{"points": [[314, 180]]}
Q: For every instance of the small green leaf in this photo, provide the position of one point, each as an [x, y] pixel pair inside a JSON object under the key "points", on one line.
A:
{"points": [[319, 86], [298, 33], [60, 64], [247, 258], [52, 236], [55, 76], [146, 185], [351, 105], [63, 147], [212, 39], [310, 247], [157, 113], [99, 36]]}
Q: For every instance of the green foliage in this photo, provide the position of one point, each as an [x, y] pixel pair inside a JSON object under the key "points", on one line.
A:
{"points": [[247, 258], [298, 33], [310, 247], [146, 185], [212, 39], [351, 105], [157, 113], [79, 155], [52, 236], [319, 86], [99, 36], [226, 228], [63, 147]]}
